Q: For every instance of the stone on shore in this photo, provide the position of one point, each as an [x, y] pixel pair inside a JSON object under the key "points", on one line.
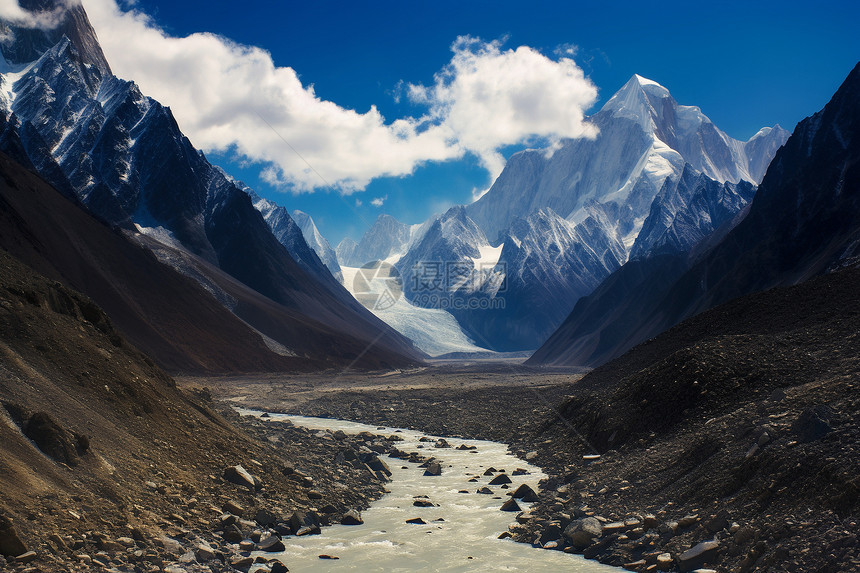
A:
{"points": [[583, 532], [525, 493], [511, 505], [351, 517]]}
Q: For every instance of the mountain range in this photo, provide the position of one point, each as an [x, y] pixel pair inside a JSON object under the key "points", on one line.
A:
{"points": [[121, 155], [659, 177]]}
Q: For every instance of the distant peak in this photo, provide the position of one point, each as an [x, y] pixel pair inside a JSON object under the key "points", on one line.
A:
{"points": [[776, 131]]}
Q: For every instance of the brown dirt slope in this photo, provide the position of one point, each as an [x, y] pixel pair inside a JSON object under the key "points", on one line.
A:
{"points": [[97, 443]]}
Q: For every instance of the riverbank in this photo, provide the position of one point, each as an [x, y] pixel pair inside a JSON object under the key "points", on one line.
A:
{"points": [[698, 495]]}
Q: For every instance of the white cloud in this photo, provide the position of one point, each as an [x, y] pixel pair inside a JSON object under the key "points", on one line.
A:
{"points": [[566, 50], [492, 98], [228, 96], [379, 201]]}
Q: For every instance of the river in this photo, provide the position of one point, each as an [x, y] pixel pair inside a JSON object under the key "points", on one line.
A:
{"points": [[461, 532]]}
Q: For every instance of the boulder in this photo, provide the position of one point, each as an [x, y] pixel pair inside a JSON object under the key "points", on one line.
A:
{"points": [[500, 479], [688, 521], [271, 544], [416, 521], [203, 552], [583, 532], [511, 505], [485, 490], [27, 557], [665, 562], [813, 423], [422, 502], [525, 493], [351, 517], [550, 533], [308, 530], [10, 544], [53, 440], [240, 476], [433, 469], [232, 534], [241, 563], [265, 517], [232, 506], [718, 522], [698, 555], [379, 465], [278, 567]]}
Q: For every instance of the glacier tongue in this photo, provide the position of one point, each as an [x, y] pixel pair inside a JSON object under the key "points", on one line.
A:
{"points": [[434, 331]]}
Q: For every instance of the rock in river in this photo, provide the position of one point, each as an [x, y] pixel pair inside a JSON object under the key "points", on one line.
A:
{"points": [[433, 469]]}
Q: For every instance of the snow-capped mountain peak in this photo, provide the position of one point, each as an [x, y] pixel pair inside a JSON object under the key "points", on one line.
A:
{"points": [[639, 99], [317, 242]]}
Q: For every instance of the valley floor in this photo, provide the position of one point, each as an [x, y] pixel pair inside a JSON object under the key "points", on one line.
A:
{"points": [[656, 499]]}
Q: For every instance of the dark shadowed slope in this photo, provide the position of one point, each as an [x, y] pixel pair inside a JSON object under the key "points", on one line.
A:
{"points": [[803, 221], [749, 411], [167, 315]]}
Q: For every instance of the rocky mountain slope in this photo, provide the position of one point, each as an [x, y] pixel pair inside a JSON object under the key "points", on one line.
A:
{"points": [[802, 222], [104, 463], [737, 428]]}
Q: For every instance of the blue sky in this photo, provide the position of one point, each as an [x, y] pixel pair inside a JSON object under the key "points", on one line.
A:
{"points": [[746, 64]]}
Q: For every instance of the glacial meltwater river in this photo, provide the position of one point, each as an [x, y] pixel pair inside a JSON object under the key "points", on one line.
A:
{"points": [[467, 539]]}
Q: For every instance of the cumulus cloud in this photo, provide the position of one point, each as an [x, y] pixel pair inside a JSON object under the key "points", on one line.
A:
{"points": [[379, 201], [11, 11], [492, 98], [233, 97]]}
